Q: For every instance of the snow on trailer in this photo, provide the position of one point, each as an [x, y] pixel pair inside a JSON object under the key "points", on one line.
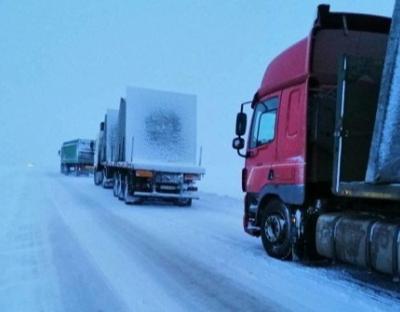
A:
{"points": [[155, 151], [384, 157]]}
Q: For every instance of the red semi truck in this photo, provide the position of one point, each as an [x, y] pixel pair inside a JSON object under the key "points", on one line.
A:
{"points": [[314, 119]]}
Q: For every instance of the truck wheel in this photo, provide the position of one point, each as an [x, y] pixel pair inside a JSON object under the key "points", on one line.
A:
{"points": [[105, 181], [121, 188], [275, 230], [98, 177], [129, 198], [184, 202], [116, 185]]}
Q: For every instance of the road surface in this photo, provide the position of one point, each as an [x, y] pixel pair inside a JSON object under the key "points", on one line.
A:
{"points": [[67, 245]]}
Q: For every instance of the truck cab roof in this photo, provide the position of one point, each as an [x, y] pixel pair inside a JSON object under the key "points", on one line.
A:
{"points": [[294, 65]]}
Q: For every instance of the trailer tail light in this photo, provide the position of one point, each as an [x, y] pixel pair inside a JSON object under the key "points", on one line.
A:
{"points": [[144, 174], [244, 179], [191, 177]]}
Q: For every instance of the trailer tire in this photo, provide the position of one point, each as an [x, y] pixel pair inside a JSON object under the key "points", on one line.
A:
{"points": [[105, 183], [186, 202], [116, 186], [276, 230], [121, 188], [98, 177], [129, 198]]}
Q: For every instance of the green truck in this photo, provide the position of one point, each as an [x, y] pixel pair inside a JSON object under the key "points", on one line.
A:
{"points": [[77, 156]]}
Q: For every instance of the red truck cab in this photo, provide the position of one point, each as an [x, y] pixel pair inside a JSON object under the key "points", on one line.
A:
{"points": [[289, 153]]}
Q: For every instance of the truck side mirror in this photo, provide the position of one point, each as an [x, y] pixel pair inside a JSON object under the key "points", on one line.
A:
{"points": [[241, 123], [238, 143]]}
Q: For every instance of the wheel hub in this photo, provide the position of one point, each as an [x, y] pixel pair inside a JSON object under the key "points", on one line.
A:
{"points": [[274, 228]]}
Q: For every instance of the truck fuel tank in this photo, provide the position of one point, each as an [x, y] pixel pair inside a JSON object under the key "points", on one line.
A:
{"points": [[360, 240]]}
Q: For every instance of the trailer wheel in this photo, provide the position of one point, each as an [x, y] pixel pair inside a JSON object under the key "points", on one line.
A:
{"points": [[116, 185], [105, 182], [185, 202], [129, 197], [98, 177], [121, 188], [276, 229]]}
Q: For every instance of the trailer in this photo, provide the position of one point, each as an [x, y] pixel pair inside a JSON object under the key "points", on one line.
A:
{"points": [[77, 156], [107, 141], [151, 152], [321, 172]]}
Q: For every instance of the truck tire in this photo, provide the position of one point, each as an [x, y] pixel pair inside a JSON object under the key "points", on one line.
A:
{"points": [[276, 230], [121, 188], [105, 182], [98, 177], [116, 185], [129, 198], [185, 202]]}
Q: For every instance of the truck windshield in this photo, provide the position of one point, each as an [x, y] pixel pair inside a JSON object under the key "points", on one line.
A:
{"points": [[263, 125]]}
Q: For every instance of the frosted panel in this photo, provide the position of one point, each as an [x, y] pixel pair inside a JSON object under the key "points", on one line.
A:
{"points": [[160, 127]]}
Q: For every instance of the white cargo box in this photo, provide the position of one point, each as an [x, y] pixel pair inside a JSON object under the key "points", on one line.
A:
{"points": [[158, 129]]}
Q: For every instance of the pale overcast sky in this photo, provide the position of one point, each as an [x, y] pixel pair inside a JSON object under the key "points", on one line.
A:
{"points": [[64, 62]]}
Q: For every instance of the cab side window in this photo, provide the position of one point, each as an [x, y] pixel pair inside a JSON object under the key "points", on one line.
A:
{"points": [[263, 125]]}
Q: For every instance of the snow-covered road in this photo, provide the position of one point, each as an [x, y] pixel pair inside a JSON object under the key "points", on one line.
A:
{"points": [[66, 245]]}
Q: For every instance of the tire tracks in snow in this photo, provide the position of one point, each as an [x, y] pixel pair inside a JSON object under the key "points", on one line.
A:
{"points": [[192, 283], [82, 284]]}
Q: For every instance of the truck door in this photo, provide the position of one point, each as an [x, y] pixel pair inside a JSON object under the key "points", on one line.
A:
{"points": [[290, 159], [262, 144]]}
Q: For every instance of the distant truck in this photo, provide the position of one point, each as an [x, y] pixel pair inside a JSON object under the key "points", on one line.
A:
{"points": [[319, 124], [77, 156], [147, 148]]}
